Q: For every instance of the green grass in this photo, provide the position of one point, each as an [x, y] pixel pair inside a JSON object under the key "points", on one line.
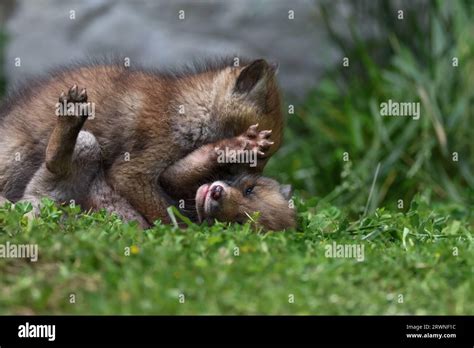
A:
{"points": [[409, 254]]}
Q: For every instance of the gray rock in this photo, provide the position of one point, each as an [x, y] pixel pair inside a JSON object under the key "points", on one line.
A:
{"points": [[150, 32]]}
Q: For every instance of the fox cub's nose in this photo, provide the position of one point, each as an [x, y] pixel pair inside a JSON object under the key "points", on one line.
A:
{"points": [[216, 192]]}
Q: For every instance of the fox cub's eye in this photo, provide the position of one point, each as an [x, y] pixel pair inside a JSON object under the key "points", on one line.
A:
{"points": [[248, 190]]}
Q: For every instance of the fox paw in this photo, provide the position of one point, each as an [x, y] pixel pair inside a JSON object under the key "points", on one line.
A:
{"points": [[235, 150], [254, 140], [74, 103]]}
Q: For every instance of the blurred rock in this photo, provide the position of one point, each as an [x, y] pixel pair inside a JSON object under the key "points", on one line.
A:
{"points": [[43, 35]]}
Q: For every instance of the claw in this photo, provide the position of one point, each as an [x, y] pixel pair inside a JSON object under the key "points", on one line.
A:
{"points": [[265, 133], [83, 95], [264, 144], [252, 131], [62, 97], [73, 91]]}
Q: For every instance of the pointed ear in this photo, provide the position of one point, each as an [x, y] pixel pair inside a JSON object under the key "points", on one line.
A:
{"points": [[252, 78], [286, 191]]}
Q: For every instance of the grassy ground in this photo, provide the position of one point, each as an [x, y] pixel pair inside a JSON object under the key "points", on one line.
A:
{"points": [[417, 262]]}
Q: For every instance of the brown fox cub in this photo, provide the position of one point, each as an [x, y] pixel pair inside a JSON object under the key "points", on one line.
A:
{"points": [[143, 122], [73, 171]]}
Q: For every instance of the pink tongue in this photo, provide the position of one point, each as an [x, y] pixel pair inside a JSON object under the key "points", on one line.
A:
{"points": [[205, 190], [204, 195]]}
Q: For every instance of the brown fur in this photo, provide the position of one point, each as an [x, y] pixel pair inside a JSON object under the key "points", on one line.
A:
{"points": [[137, 112], [73, 171]]}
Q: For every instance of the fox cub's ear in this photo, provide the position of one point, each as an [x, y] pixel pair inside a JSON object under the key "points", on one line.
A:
{"points": [[286, 191], [252, 79]]}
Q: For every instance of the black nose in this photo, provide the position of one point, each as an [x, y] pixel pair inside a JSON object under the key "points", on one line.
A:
{"points": [[216, 192]]}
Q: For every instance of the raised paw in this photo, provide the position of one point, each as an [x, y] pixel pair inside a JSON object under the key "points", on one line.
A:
{"points": [[74, 103], [255, 140], [245, 148]]}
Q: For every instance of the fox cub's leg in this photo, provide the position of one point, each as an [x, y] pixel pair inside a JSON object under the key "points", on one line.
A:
{"points": [[73, 170], [184, 177], [80, 178], [57, 177], [63, 139], [140, 187]]}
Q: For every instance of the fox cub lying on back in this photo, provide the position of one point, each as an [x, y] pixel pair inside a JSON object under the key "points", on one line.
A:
{"points": [[73, 171]]}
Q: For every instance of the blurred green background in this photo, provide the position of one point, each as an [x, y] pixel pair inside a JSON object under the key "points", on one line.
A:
{"points": [[409, 60]]}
